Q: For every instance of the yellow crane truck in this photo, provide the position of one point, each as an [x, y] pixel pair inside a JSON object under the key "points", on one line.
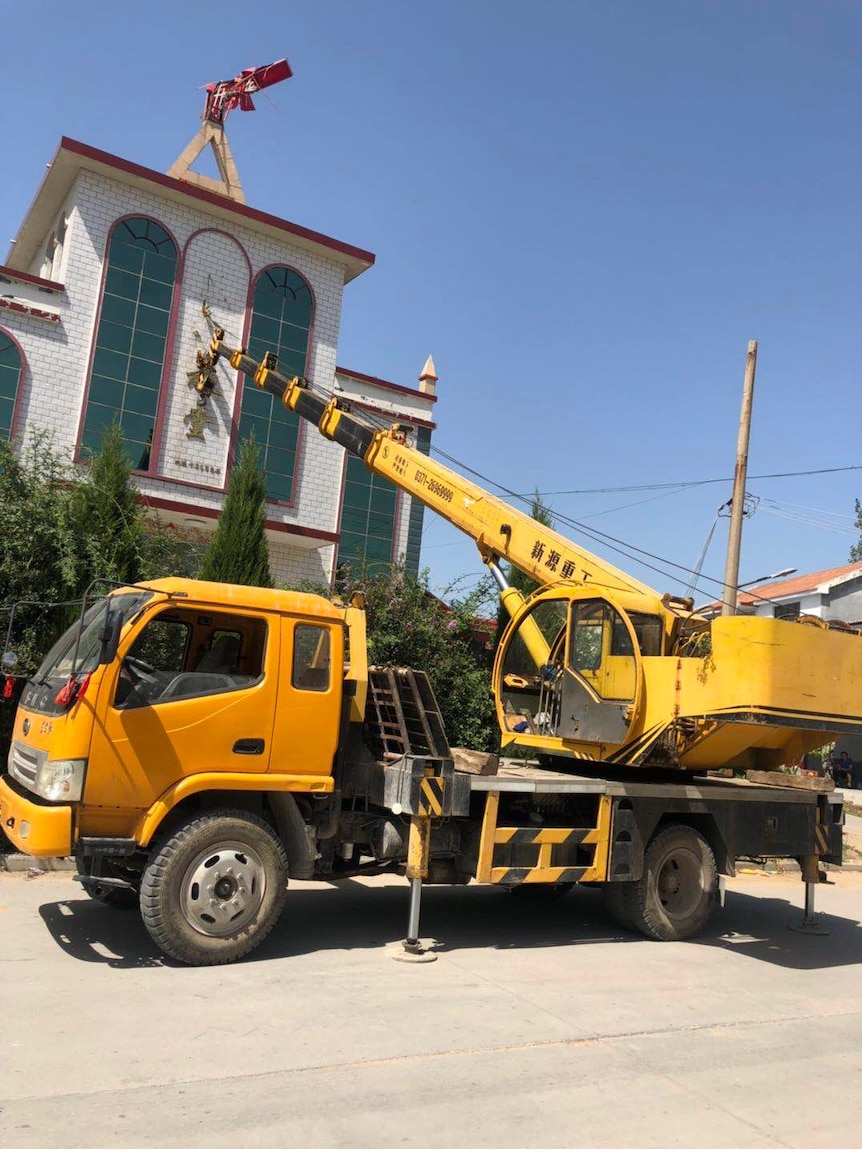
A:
{"points": [[193, 743]]}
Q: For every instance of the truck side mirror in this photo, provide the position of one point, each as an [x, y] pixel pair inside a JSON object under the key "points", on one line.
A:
{"points": [[9, 660], [109, 639]]}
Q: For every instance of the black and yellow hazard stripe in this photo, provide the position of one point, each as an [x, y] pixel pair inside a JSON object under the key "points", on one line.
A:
{"points": [[821, 837], [554, 836], [525, 876], [545, 840], [430, 798]]}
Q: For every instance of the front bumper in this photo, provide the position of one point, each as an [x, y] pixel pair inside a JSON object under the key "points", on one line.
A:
{"points": [[40, 829]]}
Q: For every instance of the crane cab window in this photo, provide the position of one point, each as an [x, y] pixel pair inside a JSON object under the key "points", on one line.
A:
{"points": [[531, 666], [183, 654], [601, 650], [312, 658], [649, 630]]}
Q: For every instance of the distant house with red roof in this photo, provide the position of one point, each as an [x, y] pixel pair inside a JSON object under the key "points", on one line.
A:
{"points": [[830, 594]]}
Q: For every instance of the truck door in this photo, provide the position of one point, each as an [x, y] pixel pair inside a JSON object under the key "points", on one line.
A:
{"points": [[308, 719], [193, 690], [602, 676]]}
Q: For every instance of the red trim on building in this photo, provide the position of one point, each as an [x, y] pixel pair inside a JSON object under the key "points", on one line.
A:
{"points": [[219, 231], [195, 512], [161, 410], [302, 430], [29, 310], [385, 384], [32, 280], [395, 416], [339, 514], [400, 496], [204, 487], [170, 350], [85, 150]]}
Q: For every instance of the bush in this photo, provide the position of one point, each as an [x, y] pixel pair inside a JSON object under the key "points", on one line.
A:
{"points": [[408, 626]]}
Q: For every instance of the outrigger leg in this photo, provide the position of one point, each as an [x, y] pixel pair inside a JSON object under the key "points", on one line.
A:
{"points": [[811, 876], [418, 848]]}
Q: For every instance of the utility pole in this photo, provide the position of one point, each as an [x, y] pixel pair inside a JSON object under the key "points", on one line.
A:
{"points": [[737, 506]]}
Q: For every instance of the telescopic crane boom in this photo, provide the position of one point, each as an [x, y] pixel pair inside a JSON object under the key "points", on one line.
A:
{"points": [[597, 665]]}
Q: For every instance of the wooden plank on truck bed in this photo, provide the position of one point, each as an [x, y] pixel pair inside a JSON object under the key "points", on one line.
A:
{"points": [[790, 781], [474, 761]]}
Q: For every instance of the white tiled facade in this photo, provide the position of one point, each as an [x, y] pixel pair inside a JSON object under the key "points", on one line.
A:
{"points": [[54, 326]]}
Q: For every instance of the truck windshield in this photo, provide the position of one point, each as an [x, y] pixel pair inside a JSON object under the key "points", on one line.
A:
{"points": [[63, 659]]}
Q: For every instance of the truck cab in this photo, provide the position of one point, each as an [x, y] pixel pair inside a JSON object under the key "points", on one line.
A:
{"points": [[173, 698]]}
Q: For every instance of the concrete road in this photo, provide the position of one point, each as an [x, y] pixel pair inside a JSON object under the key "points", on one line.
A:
{"points": [[539, 1025]]}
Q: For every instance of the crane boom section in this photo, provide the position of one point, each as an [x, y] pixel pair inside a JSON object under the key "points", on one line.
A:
{"points": [[498, 529]]}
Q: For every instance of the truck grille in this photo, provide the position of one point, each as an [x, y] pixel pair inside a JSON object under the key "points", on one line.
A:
{"points": [[24, 763]]}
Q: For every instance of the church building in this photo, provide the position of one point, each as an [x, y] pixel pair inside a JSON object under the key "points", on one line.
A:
{"points": [[114, 282]]}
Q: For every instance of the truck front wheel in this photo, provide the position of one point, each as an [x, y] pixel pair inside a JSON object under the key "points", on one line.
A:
{"points": [[673, 899], [214, 888]]}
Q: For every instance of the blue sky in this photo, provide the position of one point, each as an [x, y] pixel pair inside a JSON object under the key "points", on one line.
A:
{"points": [[584, 210]]}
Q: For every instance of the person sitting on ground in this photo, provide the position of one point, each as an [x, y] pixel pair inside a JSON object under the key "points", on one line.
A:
{"points": [[842, 770]]}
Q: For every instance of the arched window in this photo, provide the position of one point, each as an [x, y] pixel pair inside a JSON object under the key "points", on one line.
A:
{"points": [[129, 356], [280, 322], [10, 377], [369, 508], [367, 519]]}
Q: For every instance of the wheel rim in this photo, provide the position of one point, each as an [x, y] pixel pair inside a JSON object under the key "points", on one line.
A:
{"points": [[679, 883], [223, 888]]}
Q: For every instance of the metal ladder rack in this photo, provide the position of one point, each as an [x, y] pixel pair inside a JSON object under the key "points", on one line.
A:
{"points": [[402, 715]]}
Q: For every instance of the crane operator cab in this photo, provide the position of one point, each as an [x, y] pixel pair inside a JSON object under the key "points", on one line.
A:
{"points": [[569, 673]]}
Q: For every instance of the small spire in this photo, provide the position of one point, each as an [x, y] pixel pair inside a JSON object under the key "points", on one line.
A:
{"points": [[428, 378]]}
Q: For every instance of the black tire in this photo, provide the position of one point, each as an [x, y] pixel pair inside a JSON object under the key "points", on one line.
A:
{"points": [[114, 896], [243, 861], [617, 897], [674, 898]]}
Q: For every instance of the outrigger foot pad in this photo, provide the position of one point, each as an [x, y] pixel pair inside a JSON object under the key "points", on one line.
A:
{"points": [[413, 952], [810, 926]]}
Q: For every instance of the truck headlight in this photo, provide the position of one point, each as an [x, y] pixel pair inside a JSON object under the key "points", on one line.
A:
{"points": [[61, 780]]}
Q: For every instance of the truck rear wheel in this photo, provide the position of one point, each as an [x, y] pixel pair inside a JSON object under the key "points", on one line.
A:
{"points": [[214, 889], [673, 899], [617, 898]]}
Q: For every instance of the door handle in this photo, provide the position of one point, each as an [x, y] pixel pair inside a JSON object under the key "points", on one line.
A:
{"points": [[249, 746]]}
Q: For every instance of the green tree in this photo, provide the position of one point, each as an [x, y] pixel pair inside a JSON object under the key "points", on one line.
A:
{"points": [[238, 553], [103, 531], [409, 626], [856, 551], [33, 487]]}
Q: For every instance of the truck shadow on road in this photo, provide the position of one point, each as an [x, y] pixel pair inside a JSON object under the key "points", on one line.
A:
{"points": [[354, 916]]}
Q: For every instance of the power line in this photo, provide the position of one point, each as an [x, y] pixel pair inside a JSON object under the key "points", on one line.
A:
{"points": [[807, 521], [618, 546], [683, 483], [811, 510]]}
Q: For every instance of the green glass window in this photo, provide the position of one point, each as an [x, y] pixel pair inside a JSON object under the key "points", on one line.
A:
{"points": [[280, 322], [367, 519], [131, 337], [10, 377]]}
